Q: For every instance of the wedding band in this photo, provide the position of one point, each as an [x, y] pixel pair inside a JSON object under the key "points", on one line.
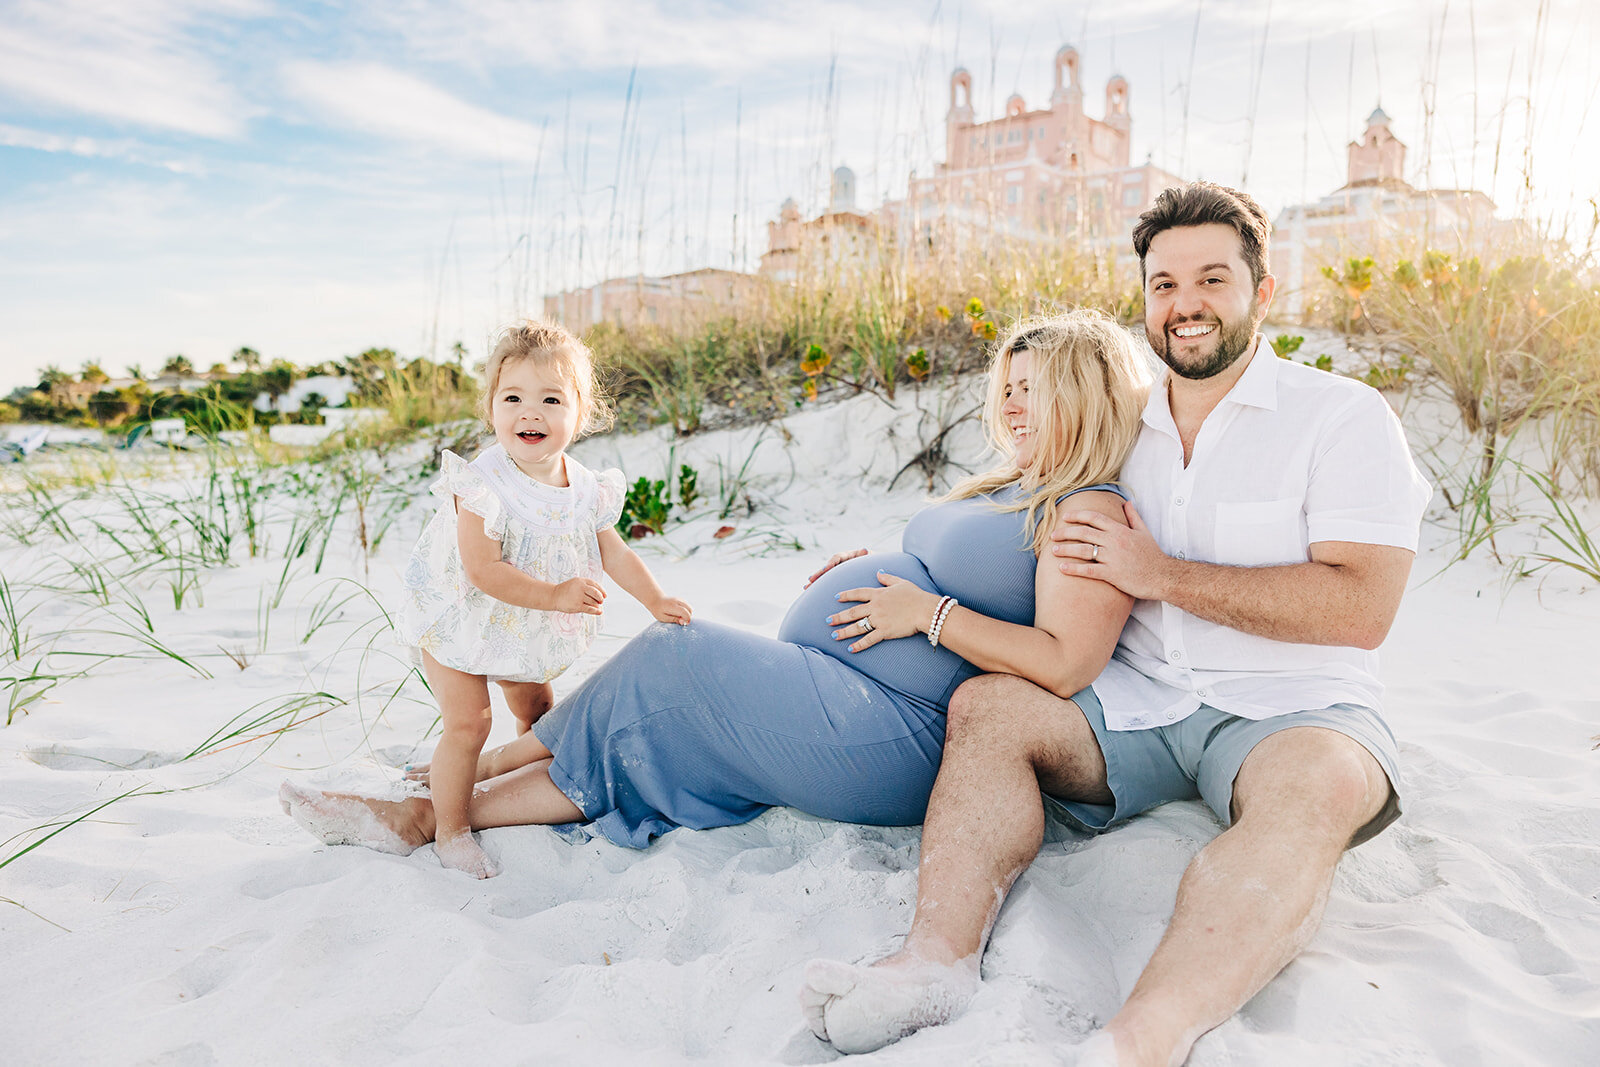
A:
{"points": [[1096, 554], [866, 626]]}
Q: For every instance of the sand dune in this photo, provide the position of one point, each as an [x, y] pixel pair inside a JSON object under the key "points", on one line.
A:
{"points": [[192, 923]]}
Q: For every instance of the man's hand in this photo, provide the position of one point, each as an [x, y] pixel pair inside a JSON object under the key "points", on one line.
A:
{"points": [[579, 596], [1091, 545], [833, 561]]}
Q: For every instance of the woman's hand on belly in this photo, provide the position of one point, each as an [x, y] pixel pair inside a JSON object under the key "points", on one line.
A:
{"points": [[833, 561], [897, 608]]}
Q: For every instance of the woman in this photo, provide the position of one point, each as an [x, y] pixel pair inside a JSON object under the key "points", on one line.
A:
{"points": [[843, 715]]}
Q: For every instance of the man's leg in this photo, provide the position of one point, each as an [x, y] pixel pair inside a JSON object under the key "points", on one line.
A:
{"points": [[1005, 740], [1252, 898]]}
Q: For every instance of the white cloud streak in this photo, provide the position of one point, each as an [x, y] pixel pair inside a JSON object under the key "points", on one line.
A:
{"points": [[388, 103], [140, 64]]}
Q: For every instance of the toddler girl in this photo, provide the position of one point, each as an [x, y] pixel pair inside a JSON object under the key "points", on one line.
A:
{"points": [[504, 583]]}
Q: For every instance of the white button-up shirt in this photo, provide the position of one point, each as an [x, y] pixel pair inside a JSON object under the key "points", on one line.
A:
{"points": [[1290, 456]]}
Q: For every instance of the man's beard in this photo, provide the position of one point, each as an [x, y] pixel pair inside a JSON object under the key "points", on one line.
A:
{"points": [[1233, 341]]}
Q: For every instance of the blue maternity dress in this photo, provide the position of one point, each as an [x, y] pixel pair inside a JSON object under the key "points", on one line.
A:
{"points": [[707, 725]]}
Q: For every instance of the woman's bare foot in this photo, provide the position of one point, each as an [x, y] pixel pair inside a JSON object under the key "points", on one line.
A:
{"points": [[492, 762], [462, 853], [345, 819], [858, 1009], [486, 769]]}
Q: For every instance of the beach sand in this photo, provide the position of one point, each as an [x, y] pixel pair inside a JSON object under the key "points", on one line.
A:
{"points": [[191, 922]]}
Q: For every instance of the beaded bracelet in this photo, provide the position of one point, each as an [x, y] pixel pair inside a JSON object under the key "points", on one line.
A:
{"points": [[946, 605]]}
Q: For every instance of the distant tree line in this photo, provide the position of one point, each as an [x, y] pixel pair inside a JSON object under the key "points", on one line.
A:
{"points": [[224, 398]]}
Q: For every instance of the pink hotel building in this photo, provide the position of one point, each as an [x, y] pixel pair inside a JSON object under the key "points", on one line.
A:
{"points": [[1039, 174]]}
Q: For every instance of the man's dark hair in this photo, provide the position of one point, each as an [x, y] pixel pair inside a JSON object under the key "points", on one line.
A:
{"points": [[1199, 203]]}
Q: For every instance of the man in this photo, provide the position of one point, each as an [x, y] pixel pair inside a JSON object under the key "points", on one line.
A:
{"points": [[1274, 519]]}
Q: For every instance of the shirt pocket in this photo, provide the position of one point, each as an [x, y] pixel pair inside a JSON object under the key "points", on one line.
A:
{"points": [[1260, 533]]}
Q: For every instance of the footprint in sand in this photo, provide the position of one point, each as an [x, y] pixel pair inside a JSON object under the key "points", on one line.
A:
{"points": [[99, 758], [211, 968]]}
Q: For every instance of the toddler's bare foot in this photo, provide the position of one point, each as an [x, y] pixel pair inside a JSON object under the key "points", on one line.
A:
{"points": [[463, 854], [343, 819], [858, 1009]]}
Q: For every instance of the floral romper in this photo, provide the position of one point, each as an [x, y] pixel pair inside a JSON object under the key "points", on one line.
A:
{"points": [[544, 531]]}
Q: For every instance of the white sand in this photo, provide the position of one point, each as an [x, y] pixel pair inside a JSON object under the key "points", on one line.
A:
{"points": [[198, 924]]}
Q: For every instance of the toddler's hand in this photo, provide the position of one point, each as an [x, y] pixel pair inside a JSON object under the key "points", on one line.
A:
{"points": [[581, 596], [671, 609]]}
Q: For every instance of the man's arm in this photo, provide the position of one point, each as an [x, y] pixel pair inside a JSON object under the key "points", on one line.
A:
{"points": [[1347, 595]]}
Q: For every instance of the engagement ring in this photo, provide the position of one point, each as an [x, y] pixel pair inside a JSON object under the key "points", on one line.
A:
{"points": [[866, 626]]}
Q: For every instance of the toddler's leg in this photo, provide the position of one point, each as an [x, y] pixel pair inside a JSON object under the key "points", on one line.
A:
{"points": [[527, 701], [464, 709]]}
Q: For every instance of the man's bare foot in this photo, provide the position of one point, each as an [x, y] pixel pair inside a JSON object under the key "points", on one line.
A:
{"points": [[858, 1009], [343, 819], [462, 853], [1099, 1051]]}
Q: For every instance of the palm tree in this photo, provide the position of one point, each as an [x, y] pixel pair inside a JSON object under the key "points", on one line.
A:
{"points": [[93, 374], [178, 366], [278, 379], [248, 358]]}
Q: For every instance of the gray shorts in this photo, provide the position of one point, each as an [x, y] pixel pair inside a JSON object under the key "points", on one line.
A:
{"points": [[1200, 756]]}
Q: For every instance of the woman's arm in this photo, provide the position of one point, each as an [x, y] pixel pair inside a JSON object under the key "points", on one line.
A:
{"points": [[629, 571], [1075, 625], [481, 562]]}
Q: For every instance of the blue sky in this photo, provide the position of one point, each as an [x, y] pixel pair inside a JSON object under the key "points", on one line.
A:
{"points": [[311, 179]]}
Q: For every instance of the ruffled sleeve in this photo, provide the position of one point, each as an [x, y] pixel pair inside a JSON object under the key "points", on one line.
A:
{"points": [[607, 499], [458, 479]]}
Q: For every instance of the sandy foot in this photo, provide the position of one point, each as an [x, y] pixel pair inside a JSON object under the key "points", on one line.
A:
{"points": [[859, 1009], [1099, 1051], [340, 820], [464, 854]]}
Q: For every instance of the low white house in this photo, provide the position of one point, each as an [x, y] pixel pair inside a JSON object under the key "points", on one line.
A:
{"points": [[335, 392]]}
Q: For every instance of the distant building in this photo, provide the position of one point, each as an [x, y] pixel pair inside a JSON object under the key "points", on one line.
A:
{"points": [[335, 391], [1034, 176], [645, 301], [177, 383], [1049, 172], [840, 239], [1375, 213]]}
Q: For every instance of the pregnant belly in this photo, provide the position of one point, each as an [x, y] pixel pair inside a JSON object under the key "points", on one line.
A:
{"points": [[907, 665]]}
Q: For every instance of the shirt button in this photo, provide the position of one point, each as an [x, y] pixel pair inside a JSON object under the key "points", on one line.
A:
{"points": [[1203, 692], [1178, 501], [1176, 655], [1180, 555]]}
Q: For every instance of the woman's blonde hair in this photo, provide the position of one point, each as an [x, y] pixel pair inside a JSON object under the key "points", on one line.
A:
{"points": [[1087, 387], [550, 345]]}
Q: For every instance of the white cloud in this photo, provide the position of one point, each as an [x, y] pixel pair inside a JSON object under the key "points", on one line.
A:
{"points": [[725, 41], [142, 63], [94, 148], [389, 103]]}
